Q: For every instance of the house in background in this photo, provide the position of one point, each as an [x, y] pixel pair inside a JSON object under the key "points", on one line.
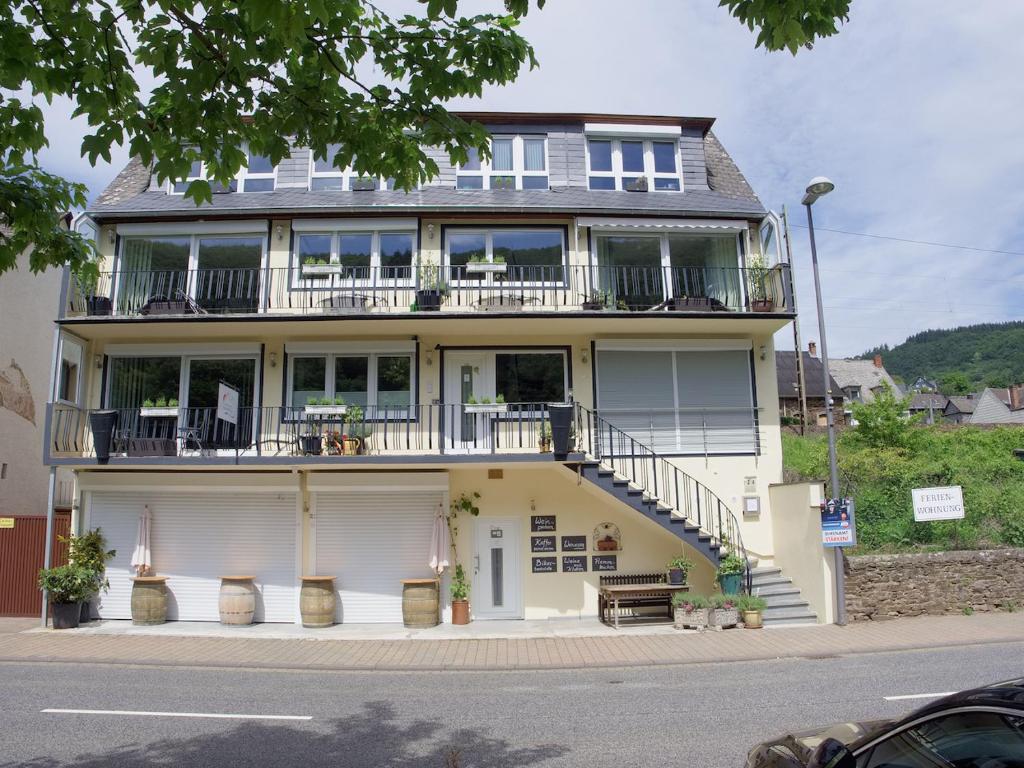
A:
{"points": [[923, 385], [929, 405], [789, 387], [391, 351], [860, 381], [999, 406], [960, 408]]}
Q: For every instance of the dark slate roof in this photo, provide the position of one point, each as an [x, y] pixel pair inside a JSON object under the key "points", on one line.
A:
{"points": [[785, 373], [923, 401], [963, 403], [724, 176], [119, 201], [131, 181]]}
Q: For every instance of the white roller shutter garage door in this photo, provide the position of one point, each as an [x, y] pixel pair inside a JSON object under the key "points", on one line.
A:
{"points": [[370, 541], [195, 538]]}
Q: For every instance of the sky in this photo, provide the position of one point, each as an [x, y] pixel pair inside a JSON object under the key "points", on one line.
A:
{"points": [[914, 110]]}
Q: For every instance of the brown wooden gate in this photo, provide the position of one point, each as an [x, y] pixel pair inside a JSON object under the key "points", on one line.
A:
{"points": [[21, 557]]}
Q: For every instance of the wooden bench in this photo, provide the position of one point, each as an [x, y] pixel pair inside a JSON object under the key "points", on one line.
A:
{"points": [[635, 590]]}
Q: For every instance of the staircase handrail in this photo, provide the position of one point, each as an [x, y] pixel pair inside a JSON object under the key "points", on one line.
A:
{"points": [[661, 480]]}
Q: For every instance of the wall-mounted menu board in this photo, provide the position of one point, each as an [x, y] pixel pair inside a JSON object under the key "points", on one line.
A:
{"points": [[545, 565], [574, 563], [542, 523], [605, 562], [574, 543], [542, 543]]}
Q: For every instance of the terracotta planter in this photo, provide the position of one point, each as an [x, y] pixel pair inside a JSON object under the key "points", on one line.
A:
{"points": [[545, 446], [608, 545], [460, 611], [752, 620], [762, 305]]}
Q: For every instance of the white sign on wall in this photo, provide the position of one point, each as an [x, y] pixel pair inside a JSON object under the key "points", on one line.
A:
{"points": [[227, 403], [938, 503]]}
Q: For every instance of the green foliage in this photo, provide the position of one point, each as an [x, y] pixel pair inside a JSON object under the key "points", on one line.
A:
{"points": [[789, 24], [883, 422], [880, 481], [68, 583], [459, 586], [751, 603], [90, 551], [990, 354], [955, 383], [724, 602], [690, 601], [757, 277], [731, 564], [684, 564]]}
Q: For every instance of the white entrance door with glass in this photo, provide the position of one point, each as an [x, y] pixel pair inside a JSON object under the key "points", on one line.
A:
{"points": [[497, 578], [496, 399]]}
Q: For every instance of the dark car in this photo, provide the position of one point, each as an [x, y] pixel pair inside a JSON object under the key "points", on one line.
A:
{"points": [[979, 728]]}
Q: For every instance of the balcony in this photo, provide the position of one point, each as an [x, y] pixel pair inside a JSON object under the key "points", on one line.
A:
{"points": [[338, 290], [436, 432]]}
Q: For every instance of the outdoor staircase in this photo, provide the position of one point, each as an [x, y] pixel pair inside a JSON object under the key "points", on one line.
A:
{"points": [[786, 606]]}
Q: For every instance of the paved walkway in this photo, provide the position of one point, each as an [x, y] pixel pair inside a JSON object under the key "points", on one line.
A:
{"points": [[624, 649]]}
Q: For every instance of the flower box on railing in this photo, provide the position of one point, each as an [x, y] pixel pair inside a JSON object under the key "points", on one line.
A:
{"points": [[324, 411], [159, 412], [321, 270], [486, 407], [486, 267]]}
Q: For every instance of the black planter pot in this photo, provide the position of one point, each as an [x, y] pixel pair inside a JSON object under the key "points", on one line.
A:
{"points": [[676, 576], [561, 428], [99, 305], [65, 615], [85, 616], [102, 424], [428, 301], [311, 445]]}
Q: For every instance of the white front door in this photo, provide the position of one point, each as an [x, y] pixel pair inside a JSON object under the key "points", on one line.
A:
{"points": [[497, 580], [469, 377]]}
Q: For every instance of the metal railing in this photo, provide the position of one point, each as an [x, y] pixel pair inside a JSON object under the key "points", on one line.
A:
{"points": [[691, 431], [347, 289], [660, 479]]}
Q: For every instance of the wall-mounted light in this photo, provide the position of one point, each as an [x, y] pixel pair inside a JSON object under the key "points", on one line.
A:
{"points": [[430, 359], [97, 360], [764, 352], [273, 359], [279, 231], [584, 355], [430, 231], [111, 236]]}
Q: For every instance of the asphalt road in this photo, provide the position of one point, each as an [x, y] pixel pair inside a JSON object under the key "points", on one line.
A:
{"points": [[697, 715]]}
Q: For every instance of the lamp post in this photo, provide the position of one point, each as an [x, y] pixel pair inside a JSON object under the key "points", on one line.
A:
{"points": [[819, 186]]}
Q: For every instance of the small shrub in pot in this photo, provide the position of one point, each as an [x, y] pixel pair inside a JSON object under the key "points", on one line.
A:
{"points": [[724, 611], [67, 586], [750, 607], [678, 568], [691, 611]]}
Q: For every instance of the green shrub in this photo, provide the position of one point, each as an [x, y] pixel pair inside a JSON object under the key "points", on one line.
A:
{"points": [[725, 602], [682, 563], [689, 601], [751, 603], [67, 583], [460, 585], [731, 564]]}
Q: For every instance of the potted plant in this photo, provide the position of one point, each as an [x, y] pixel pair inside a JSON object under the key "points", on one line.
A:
{"points": [[311, 443], [480, 265], [724, 611], [88, 282], [691, 611], [678, 568], [686, 303], [67, 586], [431, 290], [102, 424], [90, 551], [730, 573], [561, 415], [545, 438], [160, 408], [751, 608], [484, 405], [318, 267], [639, 184], [757, 284], [319, 408], [595, 301], [364, 184], [356, 430], [460, 596]]}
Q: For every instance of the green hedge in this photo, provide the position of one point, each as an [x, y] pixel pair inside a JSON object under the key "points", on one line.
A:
{"points": [[880, 481]]}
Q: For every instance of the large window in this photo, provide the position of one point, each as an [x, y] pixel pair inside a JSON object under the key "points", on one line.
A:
{"points": [[258, 174], [679, 401], [366, 256], [643, 271], [528, 255], [325, 175], [634, 164], [530, 377], [377, 380], [517, 162]]}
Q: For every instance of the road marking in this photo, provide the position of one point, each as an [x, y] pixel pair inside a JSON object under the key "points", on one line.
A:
{"points": [[918, 696], [132, 713]]}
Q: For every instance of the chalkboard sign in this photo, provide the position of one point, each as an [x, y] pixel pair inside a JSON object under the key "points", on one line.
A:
{"points": [[574, 563], [605, 562], [545, 565], [542, 543], [574, 543], [542, 523]]}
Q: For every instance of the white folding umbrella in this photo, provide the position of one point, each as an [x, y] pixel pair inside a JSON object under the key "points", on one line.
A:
{"points": [[142, 557], [439, 543]]}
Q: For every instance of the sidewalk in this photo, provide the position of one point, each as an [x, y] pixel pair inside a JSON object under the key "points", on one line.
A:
{"points": [[623, 649]]}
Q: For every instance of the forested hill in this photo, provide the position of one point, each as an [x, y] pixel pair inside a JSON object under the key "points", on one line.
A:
{"points": [[991, 354]]}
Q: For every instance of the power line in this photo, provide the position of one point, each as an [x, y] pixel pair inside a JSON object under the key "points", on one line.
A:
{"points": [[915, 242]]}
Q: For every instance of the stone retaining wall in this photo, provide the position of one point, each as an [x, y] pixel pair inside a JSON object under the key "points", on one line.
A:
{"points": [[889, 586]]}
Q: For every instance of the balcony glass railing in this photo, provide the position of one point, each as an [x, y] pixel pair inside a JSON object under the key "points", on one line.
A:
{"points": [[338, 289]]}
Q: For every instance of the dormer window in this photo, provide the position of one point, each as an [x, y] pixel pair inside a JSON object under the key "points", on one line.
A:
{"points": [[326, 177], [517, 162], [259, 175], [634, 165]]}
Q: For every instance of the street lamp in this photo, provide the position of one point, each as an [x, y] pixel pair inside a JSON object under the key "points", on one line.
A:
{"points": [[818, 187]]}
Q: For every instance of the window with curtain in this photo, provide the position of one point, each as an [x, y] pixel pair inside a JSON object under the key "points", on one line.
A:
{"points": [[531, 255], [367, 379], [706, 266], [629, 269], [228, 274], [152, 267], [516, 162]]}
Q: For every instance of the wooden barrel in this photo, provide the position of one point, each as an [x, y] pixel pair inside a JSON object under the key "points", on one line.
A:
{"points": [[237, 600], [317, 602], [420, 603], [149, 600]]}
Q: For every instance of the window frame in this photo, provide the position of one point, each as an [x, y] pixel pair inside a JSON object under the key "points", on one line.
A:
{"points": [[372, 357], [346, 174], [617, 173], [245, 174], [518, 172], [488, 233], [238, 181], [65, 342], [301, 281]]}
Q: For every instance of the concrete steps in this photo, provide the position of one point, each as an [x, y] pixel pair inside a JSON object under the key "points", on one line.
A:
{"points": [[786, 605]]}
